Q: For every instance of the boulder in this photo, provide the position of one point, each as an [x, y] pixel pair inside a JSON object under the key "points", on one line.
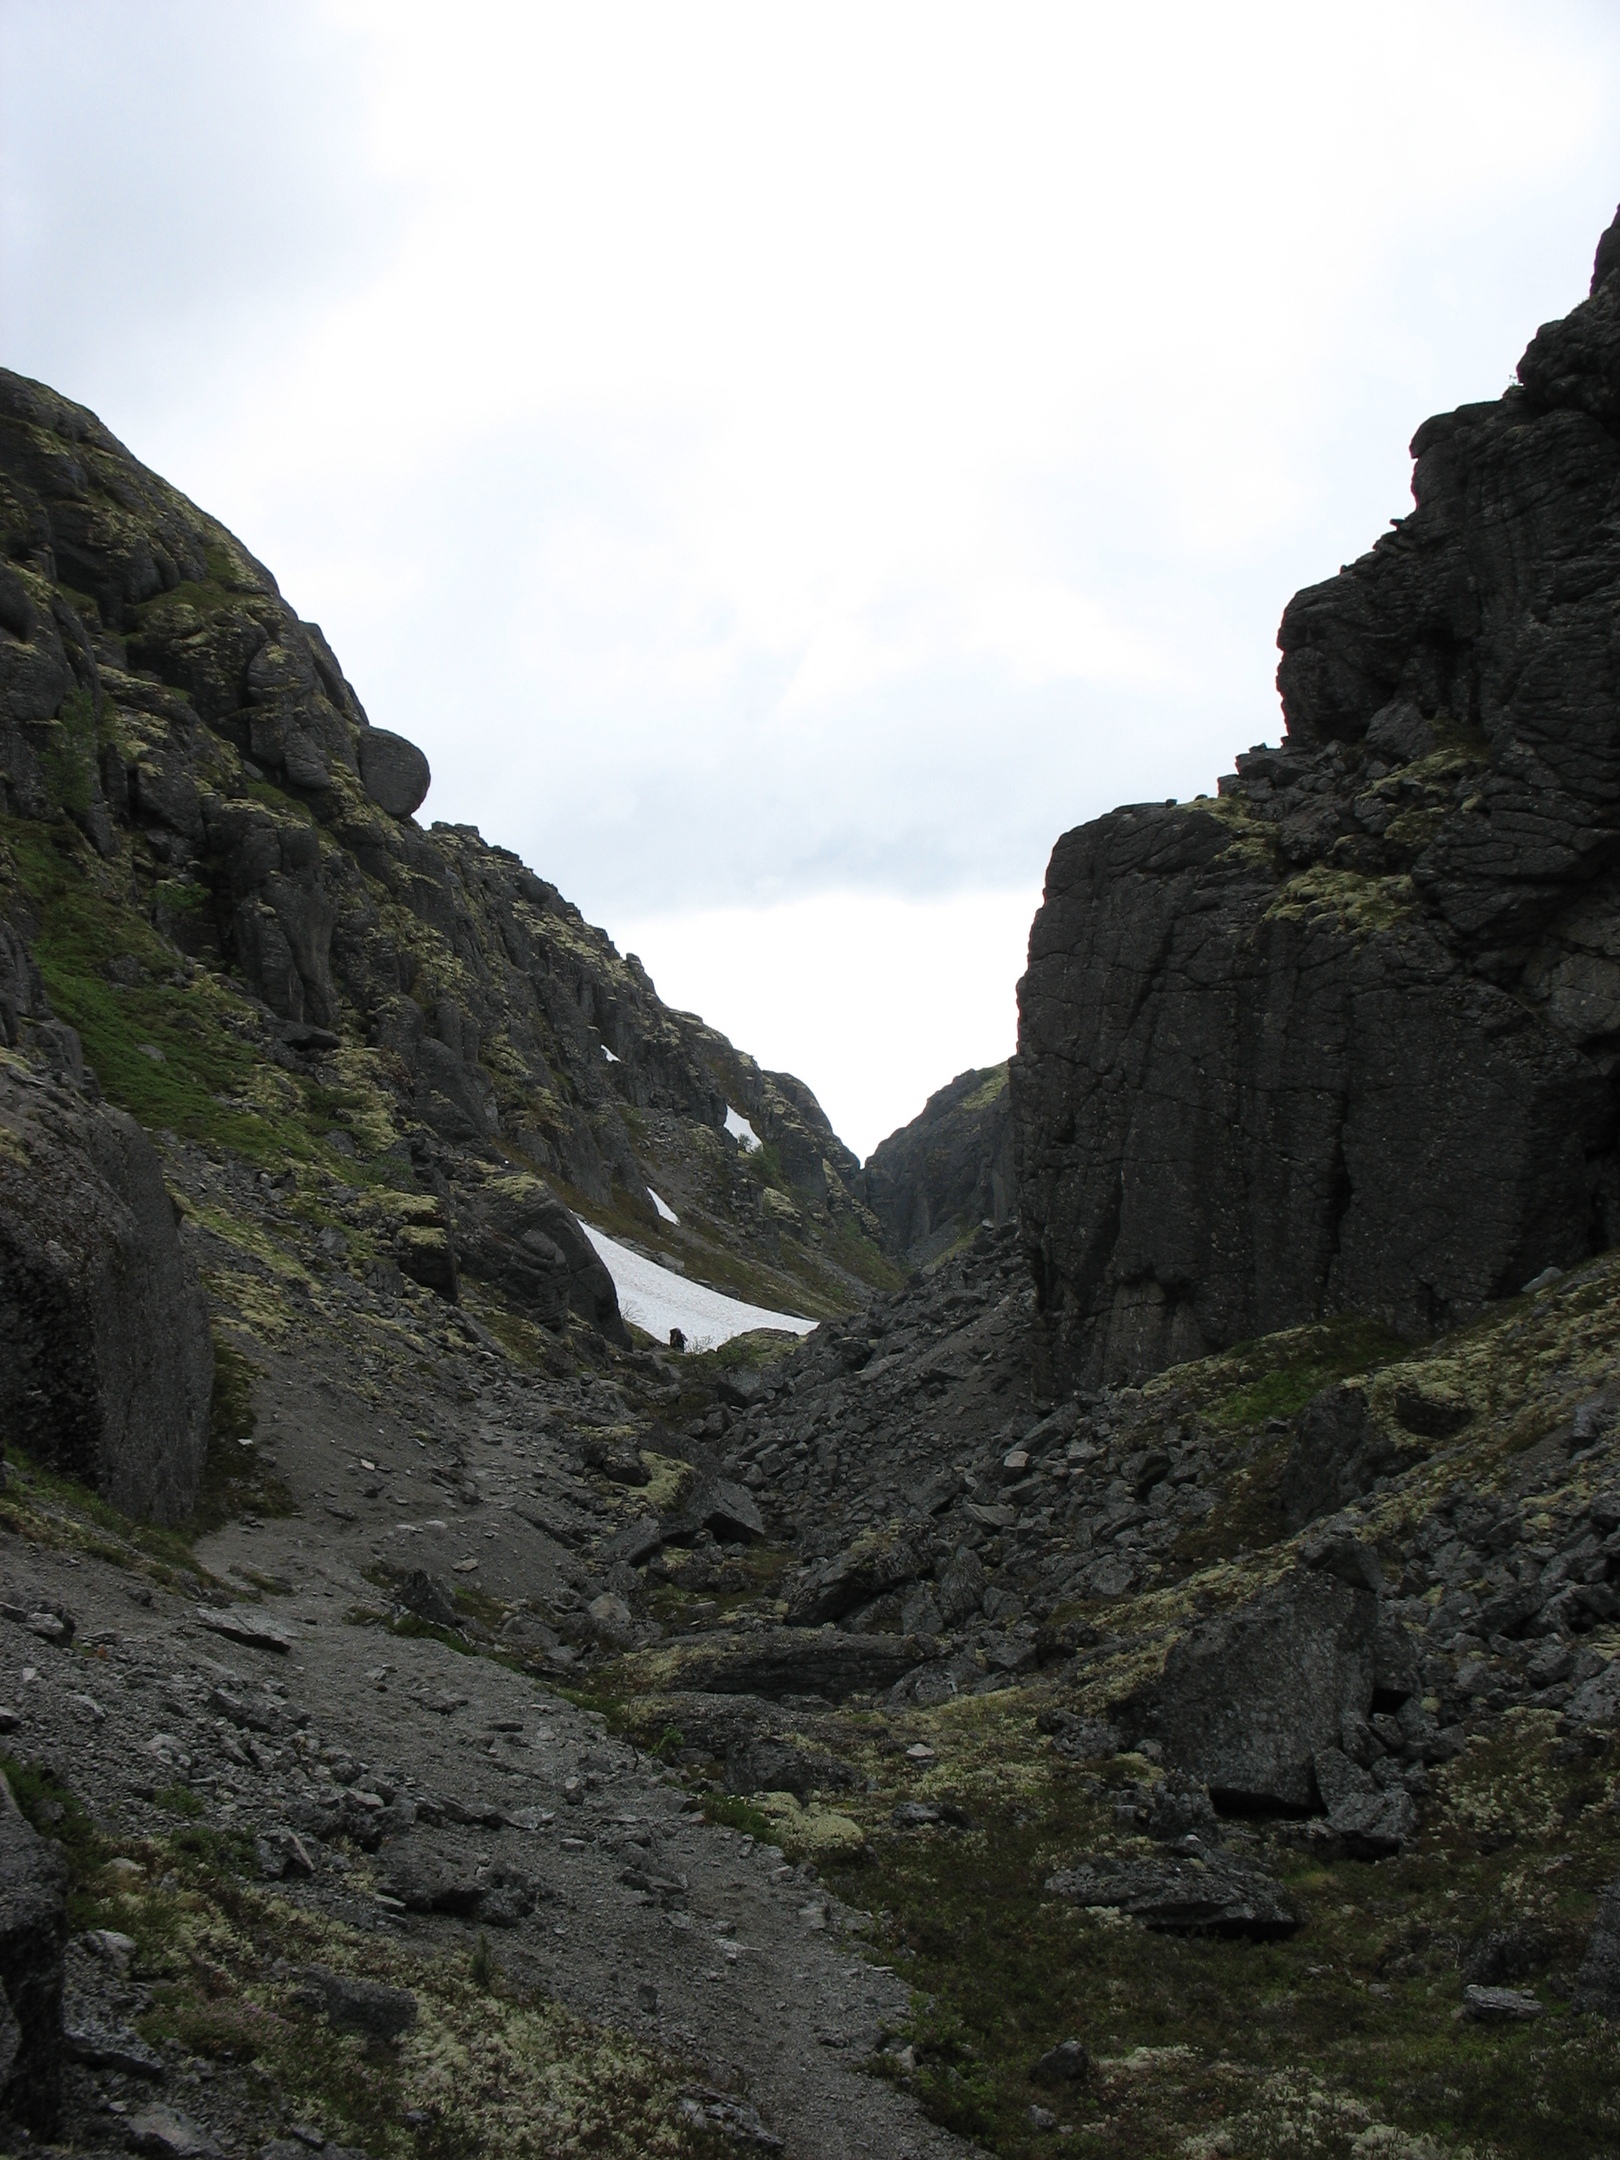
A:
{"points": [[1340, 1451], [881, 1559], [1066, 2064], [766, 1765], [106, 1360], [376, 2012], [1248, 1699], [429, 1597], [33, 1939], [393, 772], [1372, 1822], [1209, 1893], [1597, 1984], [776, 1661], [517, 1234], [716, 1504]]}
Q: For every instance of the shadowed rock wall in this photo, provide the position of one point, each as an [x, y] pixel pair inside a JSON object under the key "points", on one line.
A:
{"points": [[937, 1179], [1345, 1037], [106, 1363]]}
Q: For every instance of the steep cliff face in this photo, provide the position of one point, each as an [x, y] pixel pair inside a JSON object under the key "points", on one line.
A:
{"points": [[933, 1182], [1345, 1038], [211, 870]]}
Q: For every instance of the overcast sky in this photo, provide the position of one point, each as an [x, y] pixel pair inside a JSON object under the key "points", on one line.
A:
{"points": [[787, 464]]}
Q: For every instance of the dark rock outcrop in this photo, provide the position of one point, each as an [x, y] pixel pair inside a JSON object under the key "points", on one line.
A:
{"points": [[1597, 1984], [1248, 1700], [1345, 1037], [519, 1235], [774, 1661], [33, 1936], [1207, 1893], [933, 1182], [393, 772], [106, 1362]]}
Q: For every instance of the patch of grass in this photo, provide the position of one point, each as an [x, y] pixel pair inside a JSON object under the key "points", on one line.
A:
{"points": [[210, 1082], [69, 757], [735, 1814], [1277, 1376], [409, 1624], [179, 1800], [59, 1512], [487, 2069], [1289, 2050]]}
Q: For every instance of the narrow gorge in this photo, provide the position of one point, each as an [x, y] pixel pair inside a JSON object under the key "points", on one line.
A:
{"points": [[1103, 1637]]}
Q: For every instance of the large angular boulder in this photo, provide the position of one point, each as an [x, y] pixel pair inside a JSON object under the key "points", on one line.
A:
{"points": [[1247, 1700], [880, 1559], [106, 1361], [1204, 1893], [517, 1233], [1597, 1984], [33, 1937], [776, 1661]]}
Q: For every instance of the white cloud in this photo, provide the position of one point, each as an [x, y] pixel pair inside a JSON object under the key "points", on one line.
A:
{"points": [[877, 1001], [763, 453]]}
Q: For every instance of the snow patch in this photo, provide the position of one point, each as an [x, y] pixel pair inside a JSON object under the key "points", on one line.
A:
{"points": [[657, 1299], [740, 1129], [608, 1054], [663, 1206]]}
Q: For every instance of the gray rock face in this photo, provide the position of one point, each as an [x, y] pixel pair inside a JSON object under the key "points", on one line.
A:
{"points": [[518, 1234], [1339, 1039], [33, 1937], [393, 772], [875, 1563], [936, 1179], [1246, 1701], [1597, 1984], [1208, 1893], [106, 1362], [367, 2007]]}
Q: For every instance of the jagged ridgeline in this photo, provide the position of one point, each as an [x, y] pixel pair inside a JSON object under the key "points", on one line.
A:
{"points": [[1344, 1038], [212, 879]]}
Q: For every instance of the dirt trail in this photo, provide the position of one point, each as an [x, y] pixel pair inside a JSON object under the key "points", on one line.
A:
{"points": [[648, 1918]]}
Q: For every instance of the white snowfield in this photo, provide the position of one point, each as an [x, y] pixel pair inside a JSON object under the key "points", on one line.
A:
{"points": [[658, 1299], [663, 1206], [740, 1129]]}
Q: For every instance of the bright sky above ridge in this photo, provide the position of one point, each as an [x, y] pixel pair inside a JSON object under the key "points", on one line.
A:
{"points": [[785, 465]]}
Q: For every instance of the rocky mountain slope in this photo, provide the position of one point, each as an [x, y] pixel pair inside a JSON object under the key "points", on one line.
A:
{"points": [[1018, 1717], [932, 1183], [1343, 1038], [210, 870]]}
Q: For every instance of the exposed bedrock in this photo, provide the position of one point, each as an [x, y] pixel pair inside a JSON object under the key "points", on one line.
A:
{"points": [[1345, 1037], [932, 1183], [106, 1363]]}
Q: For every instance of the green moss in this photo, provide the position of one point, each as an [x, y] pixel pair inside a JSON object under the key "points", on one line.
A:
{"points": [[1281, 1373], [1349, 899], [741, 1815], [69, 757], [992, 1086]]}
